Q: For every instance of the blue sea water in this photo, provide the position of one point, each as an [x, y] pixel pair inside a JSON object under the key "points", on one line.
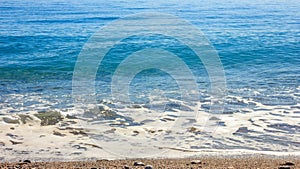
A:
{"points": [[258, 44]]}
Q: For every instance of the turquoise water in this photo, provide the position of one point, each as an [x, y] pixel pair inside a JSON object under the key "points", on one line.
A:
{"points": [[258, 44]]}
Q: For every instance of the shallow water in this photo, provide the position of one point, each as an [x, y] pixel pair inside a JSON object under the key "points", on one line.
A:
{"points": [[258, 44]]}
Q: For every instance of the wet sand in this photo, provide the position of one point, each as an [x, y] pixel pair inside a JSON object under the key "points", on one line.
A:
{"points": [[49, 140], [262, 162]]}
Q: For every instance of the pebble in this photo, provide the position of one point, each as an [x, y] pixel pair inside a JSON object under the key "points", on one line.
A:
{"points": [[138, 163], [13, 136], [148, 167], [289, 163], [284, 167], [135, 133], [15, 142], [80, 132], [136, 106], [93, 145], [214, 118], [243, 130], [27, 161], [151, 131], [196, 162], [22, 163], [194, 130], [126, 167], [70, 117], [58, 133], [167, 119], [79, 147]]}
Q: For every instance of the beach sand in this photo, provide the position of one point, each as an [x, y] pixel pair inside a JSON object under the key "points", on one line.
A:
{"points": [[262, 162]]}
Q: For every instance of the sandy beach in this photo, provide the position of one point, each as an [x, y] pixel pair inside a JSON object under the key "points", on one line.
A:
{"points": [[52, 140]]}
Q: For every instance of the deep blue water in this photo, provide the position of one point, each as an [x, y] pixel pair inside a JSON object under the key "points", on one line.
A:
{"points": [[258, 44]]}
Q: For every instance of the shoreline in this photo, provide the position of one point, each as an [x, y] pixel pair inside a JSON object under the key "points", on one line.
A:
{"points": [[228, 162], [49, 137]]}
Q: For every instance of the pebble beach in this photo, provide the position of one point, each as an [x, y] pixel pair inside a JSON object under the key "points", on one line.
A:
{"points": [[250, 162]]}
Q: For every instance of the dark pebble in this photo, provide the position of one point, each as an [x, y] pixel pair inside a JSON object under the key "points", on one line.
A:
{"points": [[58, 134], [284, 167], [196, 162], [15, 142], [27, 161], [138, 163], [243, 130], [148, 167], [289, 163]]}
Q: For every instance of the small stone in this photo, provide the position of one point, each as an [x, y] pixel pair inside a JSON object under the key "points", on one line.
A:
{"points": [[15, 142], [79, 147], [214, 118], [135, 133], [80, 132], [22, 163], [165, 119], [148, 167], [136, 106], [58, 133], [138, 163], [13, 136], [151, 131], [284, 167], [70, 117], [126, 167], [194, 130], [93, 145], [243, 130], [27, 161], [196, 162], [289, 163]]}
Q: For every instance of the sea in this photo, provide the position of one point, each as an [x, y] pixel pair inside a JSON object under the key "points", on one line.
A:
{"points": [[257, 44]]}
